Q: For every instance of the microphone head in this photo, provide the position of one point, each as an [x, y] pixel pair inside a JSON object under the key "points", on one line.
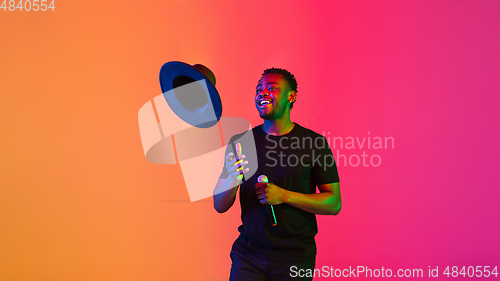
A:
{"points": [[262, 178]]}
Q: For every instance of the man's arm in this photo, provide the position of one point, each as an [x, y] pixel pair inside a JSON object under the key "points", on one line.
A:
{"points": [[327, 202], [225, 189], [223, 200]]}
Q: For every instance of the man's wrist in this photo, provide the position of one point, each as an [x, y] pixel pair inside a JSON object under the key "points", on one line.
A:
{"points": [[286, 196], [233, 182]]}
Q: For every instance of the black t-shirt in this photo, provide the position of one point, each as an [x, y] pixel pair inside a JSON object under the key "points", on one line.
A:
{"points": [[297, 161]]}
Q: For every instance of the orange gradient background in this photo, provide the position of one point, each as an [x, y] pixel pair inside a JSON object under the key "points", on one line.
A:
{"points": [[79, 201]]}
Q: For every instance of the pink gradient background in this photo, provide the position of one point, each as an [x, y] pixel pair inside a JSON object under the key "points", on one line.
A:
{"points": [[80, 202]]}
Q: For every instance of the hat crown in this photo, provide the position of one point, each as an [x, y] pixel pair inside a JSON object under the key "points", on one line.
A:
{"points": [[205, 71]]}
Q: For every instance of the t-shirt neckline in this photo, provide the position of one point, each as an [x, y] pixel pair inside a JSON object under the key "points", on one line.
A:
{"points": [[287, 134]]}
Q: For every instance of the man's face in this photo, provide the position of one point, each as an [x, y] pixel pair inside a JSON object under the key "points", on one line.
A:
{"points": [[271, 97]]}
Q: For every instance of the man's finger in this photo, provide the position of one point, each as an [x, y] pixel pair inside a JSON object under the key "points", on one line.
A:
{"points": [[260, 190], [260, 185], [229, 156], [237, 163], [235, 160], [235, 168], [238, 149]]}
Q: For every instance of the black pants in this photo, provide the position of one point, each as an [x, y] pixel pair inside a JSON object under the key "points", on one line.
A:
{"points": [[247, 267]]}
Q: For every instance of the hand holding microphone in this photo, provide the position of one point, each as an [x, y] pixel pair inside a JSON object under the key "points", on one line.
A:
{"points": [[262, 195]]}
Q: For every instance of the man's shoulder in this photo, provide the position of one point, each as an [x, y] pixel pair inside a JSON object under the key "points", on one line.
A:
{"points": [[250, 132], [306, 132]]}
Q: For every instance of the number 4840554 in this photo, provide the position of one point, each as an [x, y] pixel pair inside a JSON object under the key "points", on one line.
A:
{"points": [[471, 271], [27, 5]]}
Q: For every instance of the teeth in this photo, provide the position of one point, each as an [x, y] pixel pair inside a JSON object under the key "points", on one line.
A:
{"points": [[264, 102]]}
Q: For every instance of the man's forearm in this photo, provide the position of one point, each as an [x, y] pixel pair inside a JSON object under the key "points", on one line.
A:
{"points": [[324, 203], [224, 195]]}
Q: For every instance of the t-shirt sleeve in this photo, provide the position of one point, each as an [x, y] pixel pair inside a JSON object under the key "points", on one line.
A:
{"points": [[325, 169]]}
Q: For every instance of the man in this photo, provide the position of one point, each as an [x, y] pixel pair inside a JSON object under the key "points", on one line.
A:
{"points": [[295, 160]]}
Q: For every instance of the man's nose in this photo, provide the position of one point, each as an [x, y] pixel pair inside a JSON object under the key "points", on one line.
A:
{"points": [[263, 93]]}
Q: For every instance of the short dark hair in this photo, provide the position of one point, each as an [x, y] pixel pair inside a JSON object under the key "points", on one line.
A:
{"points": [[290, 79]]}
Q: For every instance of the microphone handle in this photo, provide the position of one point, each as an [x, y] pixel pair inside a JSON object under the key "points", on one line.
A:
{"points": [[270, 211], [272, 216]]}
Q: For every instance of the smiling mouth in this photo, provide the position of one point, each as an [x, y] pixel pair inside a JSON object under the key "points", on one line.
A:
{"points": [[264, 103]]}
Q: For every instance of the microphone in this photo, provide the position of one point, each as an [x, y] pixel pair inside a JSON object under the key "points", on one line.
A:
{"points": [[272, 217]]}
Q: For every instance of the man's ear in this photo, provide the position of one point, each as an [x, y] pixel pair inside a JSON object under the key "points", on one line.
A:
{"points": [[292, 95]]}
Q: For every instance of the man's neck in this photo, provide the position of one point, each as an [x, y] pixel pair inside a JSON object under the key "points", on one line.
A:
{"points": [[278, 127]]}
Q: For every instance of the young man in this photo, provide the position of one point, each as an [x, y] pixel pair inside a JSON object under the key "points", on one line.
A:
{"points": [[295, 160]]}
